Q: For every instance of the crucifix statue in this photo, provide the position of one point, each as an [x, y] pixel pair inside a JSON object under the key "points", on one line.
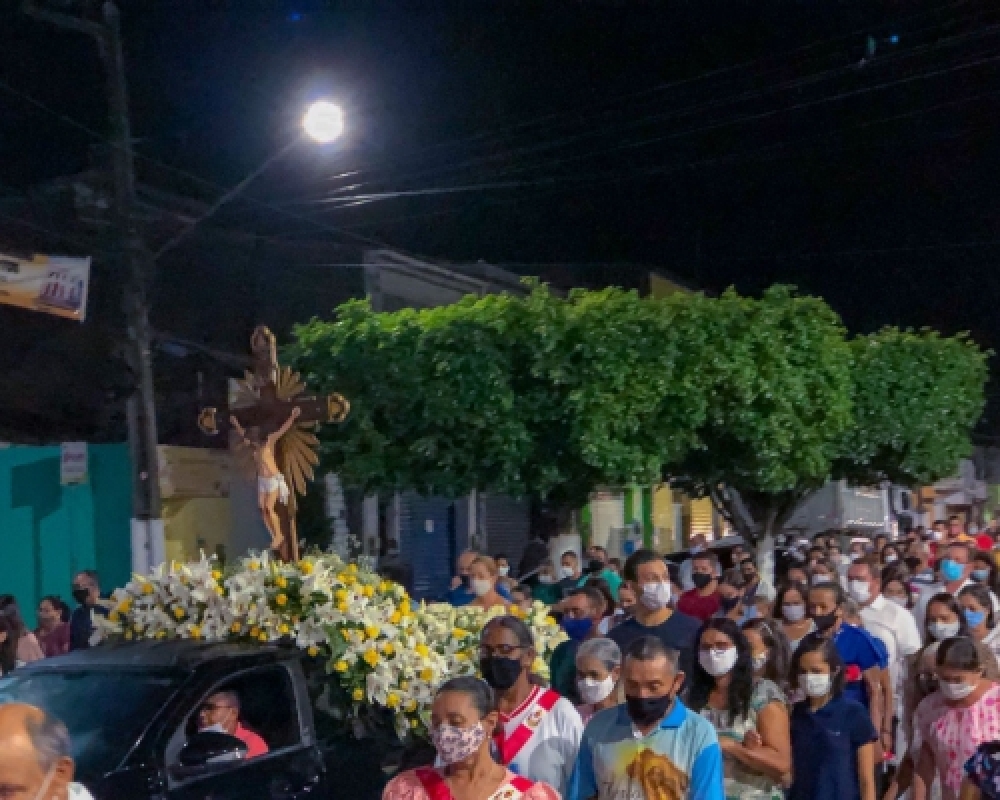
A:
{"points": [[274, 423]]}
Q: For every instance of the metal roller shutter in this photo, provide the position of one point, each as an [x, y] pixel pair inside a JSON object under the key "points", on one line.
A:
{"points": [[505, 525], [430, 552]]}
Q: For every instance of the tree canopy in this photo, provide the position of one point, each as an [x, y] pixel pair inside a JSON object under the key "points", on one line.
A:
{"points": [[556, 396]]}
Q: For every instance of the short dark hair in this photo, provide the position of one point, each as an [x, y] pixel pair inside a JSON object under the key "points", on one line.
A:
{"points": [[815, 643], [599, 584], [785, 588], [521, 631], [830, 586], [598, 547], [969, 547], [874, 568], [477, 690], [650, 648], [594, 596], [948, 601], [637, 559], [707, 555], [960, 652], [570, 553]]}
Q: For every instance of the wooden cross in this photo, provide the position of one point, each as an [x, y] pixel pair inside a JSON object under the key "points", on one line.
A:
{"points": [[263, 404]]}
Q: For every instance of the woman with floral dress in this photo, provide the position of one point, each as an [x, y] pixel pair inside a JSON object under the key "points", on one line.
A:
{"points": [[463, 720]]}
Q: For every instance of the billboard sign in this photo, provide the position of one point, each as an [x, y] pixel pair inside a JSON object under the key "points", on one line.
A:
{"points": [[52, 284]]}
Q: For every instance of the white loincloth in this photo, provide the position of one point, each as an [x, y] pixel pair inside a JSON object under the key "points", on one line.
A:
{"points": [[274, 483]]}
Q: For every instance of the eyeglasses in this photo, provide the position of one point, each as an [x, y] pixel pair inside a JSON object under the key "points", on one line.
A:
{"points": [[501, 650], [210, 707]]}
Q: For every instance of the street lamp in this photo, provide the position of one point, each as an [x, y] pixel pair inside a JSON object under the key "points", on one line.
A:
{"points": [[323, 122]]}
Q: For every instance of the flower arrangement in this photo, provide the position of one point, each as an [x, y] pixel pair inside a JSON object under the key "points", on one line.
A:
{"points": [[380, 646]]}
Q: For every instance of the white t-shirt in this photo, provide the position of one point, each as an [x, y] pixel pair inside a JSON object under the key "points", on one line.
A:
{"points": [[550, 754], [897, 629]]}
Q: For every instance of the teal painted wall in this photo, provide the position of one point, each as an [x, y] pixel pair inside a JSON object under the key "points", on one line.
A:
{"points": [[48, 532]]}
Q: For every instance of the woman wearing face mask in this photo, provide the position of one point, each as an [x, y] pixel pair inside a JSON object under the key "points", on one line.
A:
{"points": [[749, 714], [944, 619], [823, 572], [769, 650], [952, 722], [977, 605], [790, 611], [538, 734], [984, 571], [598, 668], [894, 590], [890, 555], [833, 739], [483, 581], [463, 721]]}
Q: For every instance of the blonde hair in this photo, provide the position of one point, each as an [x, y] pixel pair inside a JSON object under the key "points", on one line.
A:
{"points": [[486, 561]]}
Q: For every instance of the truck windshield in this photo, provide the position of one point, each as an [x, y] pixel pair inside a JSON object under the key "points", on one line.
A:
{"points": [[105, 710]]}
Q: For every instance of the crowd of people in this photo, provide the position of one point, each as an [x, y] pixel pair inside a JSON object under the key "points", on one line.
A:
{"points": [[869, 671]]}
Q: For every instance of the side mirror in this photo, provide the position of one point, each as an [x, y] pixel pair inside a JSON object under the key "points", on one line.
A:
{"points": [[207, 748]]}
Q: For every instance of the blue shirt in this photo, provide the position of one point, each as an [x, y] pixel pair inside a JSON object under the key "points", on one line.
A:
{"points": [[462, 595], [825, 747], [616, 762], [858, 649]]}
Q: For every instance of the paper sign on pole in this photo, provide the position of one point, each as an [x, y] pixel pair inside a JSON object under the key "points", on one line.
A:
{"points": [[52, 284], [73, 463]]}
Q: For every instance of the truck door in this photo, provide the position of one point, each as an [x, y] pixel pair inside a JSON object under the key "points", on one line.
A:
{"points": [[270, 707]]}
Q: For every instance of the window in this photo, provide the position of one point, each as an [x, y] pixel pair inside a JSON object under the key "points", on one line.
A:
{"points": [[267, 708]]}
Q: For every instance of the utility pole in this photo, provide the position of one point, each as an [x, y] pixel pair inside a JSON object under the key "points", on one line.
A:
{"points": [[147, 522]]}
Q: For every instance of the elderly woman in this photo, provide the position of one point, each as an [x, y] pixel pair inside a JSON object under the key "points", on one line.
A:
{"points": [[483, 576], [464, 719], [598, 667]]}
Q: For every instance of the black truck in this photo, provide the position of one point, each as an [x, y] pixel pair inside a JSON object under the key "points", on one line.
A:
{"points": [[132, 709]]}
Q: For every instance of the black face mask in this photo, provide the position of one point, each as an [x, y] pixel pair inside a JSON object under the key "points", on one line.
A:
{"points": [[647, 710], [81, 596], [729, 603], [701, 580], [500, 673], [594, 566], [825, 622]]}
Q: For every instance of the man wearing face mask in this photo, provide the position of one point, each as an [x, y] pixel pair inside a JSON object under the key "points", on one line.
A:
{"points": [[647, 575], [220, 713], [35, 761], [866, 671], [955, 570], [703, 601], [582, 614], [538, 735], [86, 592], [598, 566], [698, 544], [651, 747]]}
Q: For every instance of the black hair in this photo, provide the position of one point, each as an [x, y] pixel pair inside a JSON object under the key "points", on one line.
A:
{"points": [[636, 560], [896, 577], [602, 586], [8, 648], [949, 601], [981, 593], [830, 586], [740, 687], [521, 631], [594, 596], [57, 603], [829, 566], [569, 553], [815, 643], [709, 556], [779, 651], [649, 648], [477, 690], [734, 578], [10, 609], [779, 597], [959, 652]]}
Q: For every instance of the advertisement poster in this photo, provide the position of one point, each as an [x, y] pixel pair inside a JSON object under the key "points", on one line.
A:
{"points": [[73, 463], [51, 284]]}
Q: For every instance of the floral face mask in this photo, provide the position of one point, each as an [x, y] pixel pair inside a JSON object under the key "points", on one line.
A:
{"points": [[457, 744]]}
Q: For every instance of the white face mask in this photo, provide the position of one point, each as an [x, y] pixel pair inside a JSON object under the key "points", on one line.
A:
{"points": [[592, 692], [794, 612], [818, 579], [759, 662], [956, 691], [943, 630], [891, 557], [815, 685], [566, 572], [717, 662], [216, 728], [503, 571], [860, 591], [546, 579], [655, 596], [604, 626], [479, 588], [899, 601]]}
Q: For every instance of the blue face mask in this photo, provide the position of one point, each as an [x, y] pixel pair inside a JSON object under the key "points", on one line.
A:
{"points": [[577, 629], [980, 575], [975, 618], [951, 570]]}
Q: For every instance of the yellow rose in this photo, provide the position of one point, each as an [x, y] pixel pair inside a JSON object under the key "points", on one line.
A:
{"points": [[342, 607], [254, 631], [113, 616], [147, 588], [461, 657], [458, 633], [352, 568], [263, 637], [305, 567], [340, 595], [280, 582], [195, 632], [422, 650], [178, 612], [284, 630], [125, 606], [404, 607], [392, 700], [395, 617], [161, 634], [411, 706], [254, 566], [426, 674], [313, 651], [371, 631], [387, 648], [219, 591], [128, 635], [281, 599], [341, 666], [367, 591], [371, 656], [358, 695]]}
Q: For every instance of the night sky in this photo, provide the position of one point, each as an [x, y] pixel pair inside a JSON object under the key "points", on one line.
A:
{"points": [[740, 143]]}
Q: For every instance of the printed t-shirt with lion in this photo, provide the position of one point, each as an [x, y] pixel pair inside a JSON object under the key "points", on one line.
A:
{"points": [[549, 754], [680, 759]]}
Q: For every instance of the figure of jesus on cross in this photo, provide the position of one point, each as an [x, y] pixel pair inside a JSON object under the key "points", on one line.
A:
{"points": [[272, 487]]}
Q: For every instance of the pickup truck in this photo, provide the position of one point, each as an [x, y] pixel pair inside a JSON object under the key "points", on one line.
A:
{"points": [[132, 709]]}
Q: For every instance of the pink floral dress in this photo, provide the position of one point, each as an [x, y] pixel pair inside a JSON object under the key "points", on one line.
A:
{"points": [[954, 734], [427, 783]]}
